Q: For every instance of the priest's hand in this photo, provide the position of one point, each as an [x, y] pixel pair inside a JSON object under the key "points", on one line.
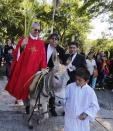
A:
{"points": [[83, 116], [24, 42], [45, 71]]}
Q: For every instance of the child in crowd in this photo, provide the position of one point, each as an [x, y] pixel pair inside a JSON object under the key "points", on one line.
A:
{"points": [[81, 104]]}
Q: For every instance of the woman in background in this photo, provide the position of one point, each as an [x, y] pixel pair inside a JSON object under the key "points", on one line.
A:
{"points": [[104, 72], [92, 68]]}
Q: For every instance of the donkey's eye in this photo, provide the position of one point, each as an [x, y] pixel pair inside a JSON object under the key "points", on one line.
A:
{"points": [[56, 77]]}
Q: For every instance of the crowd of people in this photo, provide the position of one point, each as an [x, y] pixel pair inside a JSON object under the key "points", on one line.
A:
{"points": [[32, 55], [100, 68], [98, 64]]}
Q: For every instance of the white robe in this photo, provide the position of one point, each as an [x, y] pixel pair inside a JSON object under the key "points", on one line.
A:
{"points": [[79, 100]]}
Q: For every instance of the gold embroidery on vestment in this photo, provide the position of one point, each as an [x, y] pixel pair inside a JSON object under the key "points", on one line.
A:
{"points": [[33, 49]]}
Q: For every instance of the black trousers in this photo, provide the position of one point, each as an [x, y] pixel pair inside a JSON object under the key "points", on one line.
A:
{"points": [[8, 66], [90, 80]]}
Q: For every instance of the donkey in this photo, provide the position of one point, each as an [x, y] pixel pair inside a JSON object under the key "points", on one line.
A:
{"points": [[47, 83]]}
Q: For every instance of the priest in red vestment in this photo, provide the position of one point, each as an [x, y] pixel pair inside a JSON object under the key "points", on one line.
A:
{"points": [[29, 57]]}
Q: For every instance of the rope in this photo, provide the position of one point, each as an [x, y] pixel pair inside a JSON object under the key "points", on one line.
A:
{"points": [[104, 118], [40, 78], [44, 70], [102, 125], [29, 80], [59, 97], [36, 100]]}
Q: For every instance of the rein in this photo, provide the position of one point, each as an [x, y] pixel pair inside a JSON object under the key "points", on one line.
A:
{"points": [[46, 90], [42, 74], [59, 97]]}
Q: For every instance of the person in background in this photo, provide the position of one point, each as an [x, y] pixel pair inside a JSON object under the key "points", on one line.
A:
{"points": [[74, 60], [92, 68], [81, 104], [1, 53], [13, 43], [8, 59], [111, 71], [111, 66], [104, 72], [8, 49], [8, 46]]}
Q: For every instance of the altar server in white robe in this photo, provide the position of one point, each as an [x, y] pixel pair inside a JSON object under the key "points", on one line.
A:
{"points": [[81, 104]]}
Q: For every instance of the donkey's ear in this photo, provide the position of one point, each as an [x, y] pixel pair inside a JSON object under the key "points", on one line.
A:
{"points": [[55, 57]]}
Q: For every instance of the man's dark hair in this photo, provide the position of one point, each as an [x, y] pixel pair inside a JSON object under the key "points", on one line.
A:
{"points": [[54, 35], [74, 43], [83, 73]]}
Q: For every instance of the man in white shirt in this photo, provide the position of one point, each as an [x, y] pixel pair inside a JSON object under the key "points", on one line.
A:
{"points": [[54, 44], [50, 47], [77, 60]]}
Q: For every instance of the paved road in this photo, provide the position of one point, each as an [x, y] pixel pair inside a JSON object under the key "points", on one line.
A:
{"points": [[12, 117]]}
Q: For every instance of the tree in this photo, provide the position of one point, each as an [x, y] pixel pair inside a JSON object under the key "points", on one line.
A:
{"points": [[11, 19], [72, 18]]}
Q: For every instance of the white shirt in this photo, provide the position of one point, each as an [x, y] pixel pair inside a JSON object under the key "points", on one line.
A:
{"points": [[32, 37], [79, 100], [70, 66], [50, 50], [90, 65]]}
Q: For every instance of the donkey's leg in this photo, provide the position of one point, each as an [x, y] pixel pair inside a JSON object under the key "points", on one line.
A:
{"points": [[30, 122], [28, 108], [46, 115], [45, 110]]}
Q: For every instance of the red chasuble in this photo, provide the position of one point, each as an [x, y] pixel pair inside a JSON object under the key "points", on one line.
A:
{"points": [[31, 60]]}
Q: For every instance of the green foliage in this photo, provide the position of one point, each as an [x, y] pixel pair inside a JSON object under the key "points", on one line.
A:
{"points": [[96, 7], [72, 18], [11, 19], [68, 22], [100, 45]]}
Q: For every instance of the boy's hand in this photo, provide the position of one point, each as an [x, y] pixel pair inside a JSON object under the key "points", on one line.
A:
{"points": [[83, 116]]}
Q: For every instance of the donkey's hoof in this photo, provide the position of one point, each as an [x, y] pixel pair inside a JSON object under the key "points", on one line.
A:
{"points": [[30, 127], [38, 122]]}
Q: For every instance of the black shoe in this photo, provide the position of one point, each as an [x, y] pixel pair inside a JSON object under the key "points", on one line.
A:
{"points": [[63, 113], [27, 110]]}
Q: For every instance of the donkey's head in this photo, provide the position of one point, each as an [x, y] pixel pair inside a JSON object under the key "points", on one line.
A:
{"points": [[57, 73]]}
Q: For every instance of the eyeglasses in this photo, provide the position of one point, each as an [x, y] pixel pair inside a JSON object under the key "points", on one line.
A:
{"points": [[36, 30]]}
